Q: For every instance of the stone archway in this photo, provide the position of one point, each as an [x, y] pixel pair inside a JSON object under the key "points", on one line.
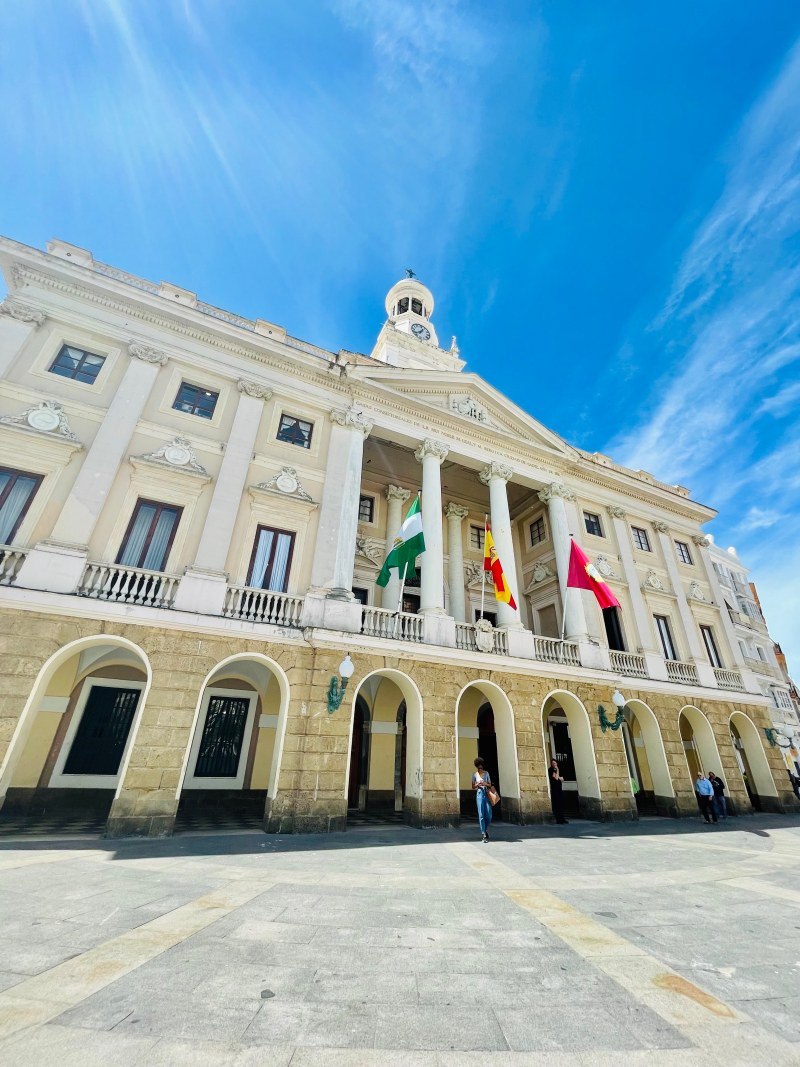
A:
{"points": [[647, 761], [485, 727], [567, 737], [753, 764], [699, 743]]}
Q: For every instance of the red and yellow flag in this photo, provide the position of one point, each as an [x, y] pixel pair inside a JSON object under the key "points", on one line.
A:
{"points": [[491, 563]]}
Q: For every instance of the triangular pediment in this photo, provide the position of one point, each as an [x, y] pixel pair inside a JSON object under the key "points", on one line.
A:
{"points": [[470, 402]]}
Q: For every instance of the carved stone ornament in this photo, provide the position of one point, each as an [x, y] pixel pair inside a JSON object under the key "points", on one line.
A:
{"points": [[22, 312], [484, 635], [555, 489], [432, 448], [701, 540], [465, 405], [660, 527], [456, 511], [541, 572], [616, 512], [495, 470], [372, 548], [47, 417], [146, 353], [652, 581], [604, 566], [258, 392], [178, 454], [474, 573], [696, 593], [286, 482], [352, 419], [397, 492]]}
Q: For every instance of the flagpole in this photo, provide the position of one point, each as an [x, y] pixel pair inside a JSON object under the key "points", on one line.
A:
{"points": [[564, 613], [483, 566]]}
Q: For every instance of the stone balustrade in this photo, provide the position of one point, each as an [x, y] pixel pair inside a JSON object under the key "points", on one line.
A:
{"points": [[10, 563], [128, 585]]}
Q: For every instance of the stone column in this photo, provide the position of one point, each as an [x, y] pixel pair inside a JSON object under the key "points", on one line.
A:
{"points": [[749, 680], [496, 476], [57, 563], [555, 495], [642, 627], [396, 497], [330, 602], [455, 550], [697, 653], [431, 454], [203, 586]]}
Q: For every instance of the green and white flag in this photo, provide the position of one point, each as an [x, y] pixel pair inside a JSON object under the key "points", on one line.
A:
{"points": [[408, 544]]}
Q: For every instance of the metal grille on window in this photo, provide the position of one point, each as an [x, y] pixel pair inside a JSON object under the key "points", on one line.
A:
{"points": [[223, 735], [101, 737]]}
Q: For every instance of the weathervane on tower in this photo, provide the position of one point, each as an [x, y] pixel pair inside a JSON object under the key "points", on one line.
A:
{"points": [[410, 273]]}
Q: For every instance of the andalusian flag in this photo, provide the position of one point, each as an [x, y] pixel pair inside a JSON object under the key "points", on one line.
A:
{"points": [[408, 544], [491, 563], [583, 574]]}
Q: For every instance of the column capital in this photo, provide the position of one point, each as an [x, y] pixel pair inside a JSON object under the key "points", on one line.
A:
{"points": [[15, 309], [701, 540], [456, 511], [660, 527], [351, 419], [258, 392], [553, 490], [146, 353], [397, 492], [429, 447], [616, 512], [496, 470]]}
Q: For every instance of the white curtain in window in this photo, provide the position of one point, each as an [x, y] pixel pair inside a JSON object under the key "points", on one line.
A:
{"points": [[14, 504], [156, 557], [279, 566], [263, 549], [134, 543]]}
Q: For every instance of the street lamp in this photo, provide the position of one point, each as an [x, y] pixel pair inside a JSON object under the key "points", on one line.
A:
{"points": [[335, 689], [619, 702], [618, 699]]}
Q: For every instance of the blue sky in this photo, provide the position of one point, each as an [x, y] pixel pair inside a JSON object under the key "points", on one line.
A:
{"points": [[602, 196]]}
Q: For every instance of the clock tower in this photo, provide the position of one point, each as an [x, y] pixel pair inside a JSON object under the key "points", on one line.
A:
{"points": [[408, 337]]}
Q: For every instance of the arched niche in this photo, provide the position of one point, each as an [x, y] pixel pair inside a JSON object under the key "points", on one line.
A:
{"points": [[485, 727], [567, 733], [699, 743], [647, 760], [752, 763]]}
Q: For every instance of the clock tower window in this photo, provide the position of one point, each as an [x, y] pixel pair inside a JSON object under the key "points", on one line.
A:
{"points": [[402, 305], [416, 306]]}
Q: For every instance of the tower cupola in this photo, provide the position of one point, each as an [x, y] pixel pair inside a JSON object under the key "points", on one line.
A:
{"points": [[409, 304]]}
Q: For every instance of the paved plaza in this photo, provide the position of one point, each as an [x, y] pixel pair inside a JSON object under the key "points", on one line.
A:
{"points": [[654, 943]]}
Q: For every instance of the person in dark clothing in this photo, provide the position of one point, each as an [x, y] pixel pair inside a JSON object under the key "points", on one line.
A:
{"points": [[556, 792], [718, 805], [704, 791]]}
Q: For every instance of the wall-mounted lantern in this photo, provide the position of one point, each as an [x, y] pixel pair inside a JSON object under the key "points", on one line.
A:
{"points": [[336, 688]]}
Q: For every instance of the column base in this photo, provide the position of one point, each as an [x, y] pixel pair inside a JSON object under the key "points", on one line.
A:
{"points": [[54, 567], [705, 674], [139, 826], [438, 629], [656, 666], [301, 814], [749, 681], [324, 612], [201, 592], [520, 642], [593, 656], [433, 811]]}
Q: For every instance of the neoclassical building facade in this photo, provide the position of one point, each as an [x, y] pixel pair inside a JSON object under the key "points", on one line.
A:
{"points": [[194, 508]]}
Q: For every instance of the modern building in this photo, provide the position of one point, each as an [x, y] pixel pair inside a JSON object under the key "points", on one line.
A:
{"points": [[194, 508]]}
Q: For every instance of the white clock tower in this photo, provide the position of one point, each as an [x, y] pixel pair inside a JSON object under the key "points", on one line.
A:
{"points": [[408, 337]]}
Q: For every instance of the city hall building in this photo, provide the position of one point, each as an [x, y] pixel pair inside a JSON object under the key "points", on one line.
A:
{"points": [[194, 508]]}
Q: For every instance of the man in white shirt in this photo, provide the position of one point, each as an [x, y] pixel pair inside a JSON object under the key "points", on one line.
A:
{"points": [[705, 795]]}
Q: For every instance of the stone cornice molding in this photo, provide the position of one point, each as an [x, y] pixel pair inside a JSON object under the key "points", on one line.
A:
{"points": [[438, 449], [496, 472], [701, 540], [397, 492], [660, 527], [351, 419], [253, 389], [616, 512], [555, 489], [46, 417], [456, 511], [147, 353], [15, 309]]}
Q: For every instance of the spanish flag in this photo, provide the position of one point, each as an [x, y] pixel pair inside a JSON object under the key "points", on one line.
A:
{"points": [[491, 563]]}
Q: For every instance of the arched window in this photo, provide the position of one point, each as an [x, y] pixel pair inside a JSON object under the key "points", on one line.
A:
{"points": [[416, 306], [402, 305]]}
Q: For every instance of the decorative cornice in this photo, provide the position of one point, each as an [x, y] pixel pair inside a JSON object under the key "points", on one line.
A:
{"points": [[616, 512], [660, 527], [429, 447], [177, 454], [287, 483], [146, 353], [456, 511], [46, 417], [701, 540], [397, 492], [22, 312], [258, 392], [351, 419], [496, 472], [555, 489]]}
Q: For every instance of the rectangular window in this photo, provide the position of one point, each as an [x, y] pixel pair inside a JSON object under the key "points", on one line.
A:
{"points": [[548, 621], [538, 533], [711, 646], [662, 625], [490, 616], [476, 538], [592, 523], [17, 490], [366, 508], [149, 536], [295, 432], [640, 539], [195, 400], [272, 558], [684, 555], [361, 595], [74, 363]]}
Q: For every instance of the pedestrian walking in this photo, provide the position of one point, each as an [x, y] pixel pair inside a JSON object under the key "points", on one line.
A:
{"points": [[556, 792], [481, 784], [719, 805], [704, 791]]}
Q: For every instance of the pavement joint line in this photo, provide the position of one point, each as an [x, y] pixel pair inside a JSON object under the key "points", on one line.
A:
{"points": [[47, 995], [25, 859], [765, 889], [695, 1013]]}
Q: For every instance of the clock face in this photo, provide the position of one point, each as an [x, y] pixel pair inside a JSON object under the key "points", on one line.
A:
{"points": [[421, 331]]}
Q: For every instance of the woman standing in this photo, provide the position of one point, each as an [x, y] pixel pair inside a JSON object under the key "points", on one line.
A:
{"points": [[556, 788], [481, 783]]}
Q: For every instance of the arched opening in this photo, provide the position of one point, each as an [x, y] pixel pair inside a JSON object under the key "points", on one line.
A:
{"points": [[647, 761], [233, 759], [485, 728], [753, 764], [699, 744], [568, 739], [384, 775], [69, 751]]}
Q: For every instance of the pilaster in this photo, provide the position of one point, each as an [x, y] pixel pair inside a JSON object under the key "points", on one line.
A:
{"points": [[431, 454]]}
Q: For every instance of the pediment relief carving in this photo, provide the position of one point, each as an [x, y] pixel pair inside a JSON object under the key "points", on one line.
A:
{"points": [[177, 455], [474, 573], [47, 417], [371, 548], [285, 483], [540, 573]]}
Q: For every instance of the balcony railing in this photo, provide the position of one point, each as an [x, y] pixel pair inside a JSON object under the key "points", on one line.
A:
{"points": [[395, 625], [500, 642], [728, 679], [128, 585], [465, 637], [681, 672], [11, 560], [262, 605], [551, 650], [628, 663]]}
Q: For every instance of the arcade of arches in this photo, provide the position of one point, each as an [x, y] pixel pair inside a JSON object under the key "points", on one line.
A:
{"points": [[142, 723]]}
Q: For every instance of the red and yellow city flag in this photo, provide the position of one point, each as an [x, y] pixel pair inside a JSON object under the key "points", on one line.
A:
{"points": [[491, 563], [584, 575]]}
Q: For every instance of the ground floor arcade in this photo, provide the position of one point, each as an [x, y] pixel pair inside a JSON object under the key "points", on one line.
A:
{"points": [[151, 721]]}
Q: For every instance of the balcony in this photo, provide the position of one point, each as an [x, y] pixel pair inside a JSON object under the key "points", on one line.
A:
{"points": [[11, 559], [685, 673], [630, 664], [394, 625], [728, 679], [262, 605], [128, 585]]}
